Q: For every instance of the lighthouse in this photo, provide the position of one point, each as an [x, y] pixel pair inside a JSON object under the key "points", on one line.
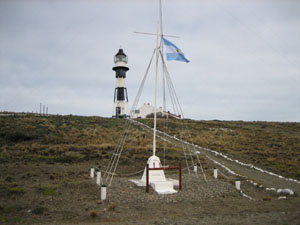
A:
{"points": [[120, 95]]}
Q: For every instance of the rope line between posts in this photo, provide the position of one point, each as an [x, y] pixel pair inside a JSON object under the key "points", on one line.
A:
{"points": [[134, 173], [123, 175], [231, 178], [206, 169], [227, 177], [129, 174]]}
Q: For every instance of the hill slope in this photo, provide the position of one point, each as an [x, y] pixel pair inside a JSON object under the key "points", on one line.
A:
{"points": [[45, 162], [273, 146]]}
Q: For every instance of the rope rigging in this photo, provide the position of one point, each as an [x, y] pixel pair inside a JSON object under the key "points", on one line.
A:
{"points": [[188, 152], [178, 110]]}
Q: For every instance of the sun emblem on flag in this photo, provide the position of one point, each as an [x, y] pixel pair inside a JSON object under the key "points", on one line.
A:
{"points": [[178, 51]]}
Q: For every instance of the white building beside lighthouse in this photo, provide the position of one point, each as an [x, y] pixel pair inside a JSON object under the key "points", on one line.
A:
{"points": [[146, 110], [120, 95]]}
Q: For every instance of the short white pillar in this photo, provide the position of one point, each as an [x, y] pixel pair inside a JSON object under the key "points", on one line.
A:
{"points": [[103, 192], [195, 169], [238, 185], [98, 178], [216, 173], [92, 172]]}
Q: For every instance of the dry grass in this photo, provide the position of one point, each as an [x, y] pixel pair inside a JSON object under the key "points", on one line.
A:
{"points": [[71, 139], [273, 145]]}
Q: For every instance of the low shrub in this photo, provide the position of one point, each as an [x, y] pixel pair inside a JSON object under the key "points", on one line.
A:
{"points": [[39, 210], [93, 213], [8, 179]]}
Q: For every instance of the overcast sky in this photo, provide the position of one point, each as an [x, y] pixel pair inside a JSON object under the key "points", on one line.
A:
{"points": [[244, 55]]}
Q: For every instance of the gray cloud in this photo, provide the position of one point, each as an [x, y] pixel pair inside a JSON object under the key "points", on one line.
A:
{"points": [[244, 56]]}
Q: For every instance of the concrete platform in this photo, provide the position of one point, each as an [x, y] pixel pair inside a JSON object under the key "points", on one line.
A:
{"points": [[157, 179], [163, 187]]}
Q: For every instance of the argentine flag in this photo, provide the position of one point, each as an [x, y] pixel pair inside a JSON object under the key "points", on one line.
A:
{"points": [[173, 52]]}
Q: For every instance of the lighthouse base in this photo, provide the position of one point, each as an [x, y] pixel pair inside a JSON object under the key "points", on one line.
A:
{"points": [[157, 179], [124, 116]]}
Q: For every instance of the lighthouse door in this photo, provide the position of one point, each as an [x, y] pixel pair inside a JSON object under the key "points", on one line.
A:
{"points": [[118, 112]]}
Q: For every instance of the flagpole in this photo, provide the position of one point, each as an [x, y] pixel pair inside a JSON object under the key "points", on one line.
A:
{"points": [[155, 93], [160, 19], [161, 27], [158, 49]]}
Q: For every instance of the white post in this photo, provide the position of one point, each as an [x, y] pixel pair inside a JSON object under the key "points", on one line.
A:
{"points": [[238, 185], [98, 179], [216, 173], [103, 192], [92, 172], [195, 169]]}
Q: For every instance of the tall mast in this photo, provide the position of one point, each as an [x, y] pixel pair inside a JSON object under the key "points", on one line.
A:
{"points": [[158, 48], [160, 20]]}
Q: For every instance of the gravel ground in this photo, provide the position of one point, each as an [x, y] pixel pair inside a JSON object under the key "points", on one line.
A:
{"points": [[75, 199], [193, 189]]}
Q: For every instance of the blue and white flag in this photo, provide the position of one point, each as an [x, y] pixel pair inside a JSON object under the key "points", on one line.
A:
{"points": [[173, 52]]}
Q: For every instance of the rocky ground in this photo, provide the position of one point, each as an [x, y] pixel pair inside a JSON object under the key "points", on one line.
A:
{"points": [[61, 193]]}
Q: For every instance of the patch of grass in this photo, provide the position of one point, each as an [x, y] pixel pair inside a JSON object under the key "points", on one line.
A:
{"points": [[3, 219], [8, 215], [267, 198], [9, 189], [73, 182], [17, 190], [49, 189]]}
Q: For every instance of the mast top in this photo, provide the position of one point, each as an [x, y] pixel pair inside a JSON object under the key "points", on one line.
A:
{"points": [[160, 30]]}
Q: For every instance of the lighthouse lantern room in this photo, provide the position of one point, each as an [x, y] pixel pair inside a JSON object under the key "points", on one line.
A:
{"points": [[120, 95]]}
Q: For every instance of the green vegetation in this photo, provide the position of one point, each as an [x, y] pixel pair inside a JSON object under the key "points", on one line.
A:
{"points": [[10, 189], [8, 214], [71, 139], [49, 189], [16, 190]]}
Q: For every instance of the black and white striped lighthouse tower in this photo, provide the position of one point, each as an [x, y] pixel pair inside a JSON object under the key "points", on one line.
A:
{"points": [[120, 96]]}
